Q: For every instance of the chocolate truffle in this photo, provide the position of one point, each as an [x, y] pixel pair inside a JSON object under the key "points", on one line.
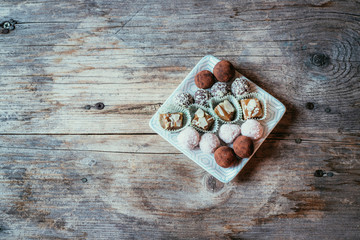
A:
{"points": [[184, 99], [204, 79], [209, 142], [252, 129], [225, 156], [202, 97], [251, 108], [171, 121], [240, 87], [188, 138], [228, 132], [203, 120], [220, 89], [224, 71], [243, 146], [225, 110]]}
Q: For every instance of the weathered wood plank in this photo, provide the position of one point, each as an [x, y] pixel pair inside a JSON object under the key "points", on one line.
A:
{"points": [[71, 173], [161, 195], [131, 64]]}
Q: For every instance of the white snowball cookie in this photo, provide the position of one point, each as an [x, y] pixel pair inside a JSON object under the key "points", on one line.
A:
{"points": [[252, 129], [188, 138], [209, 142], [228, 132]]}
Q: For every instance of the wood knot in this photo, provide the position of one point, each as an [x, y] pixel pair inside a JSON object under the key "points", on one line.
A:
{"points": [[321, 173], [8, 26], [319, 59], [212, 184], [98, 106]]}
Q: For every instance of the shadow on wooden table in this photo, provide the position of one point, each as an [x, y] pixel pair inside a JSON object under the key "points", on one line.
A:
{"points": [[250, 168], [281, 129]]}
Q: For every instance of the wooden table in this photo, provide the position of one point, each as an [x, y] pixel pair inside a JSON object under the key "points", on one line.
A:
{"points": [[72, 170]]}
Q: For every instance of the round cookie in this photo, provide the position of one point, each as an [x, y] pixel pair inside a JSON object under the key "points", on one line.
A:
{"points": [[225, 156], [239, 87], [228, 132], [252, 129], [220, 89], [243, 146], [188, 138], [202, 97], [224, 71], [204, 79], [209, 142], [184, 99]]}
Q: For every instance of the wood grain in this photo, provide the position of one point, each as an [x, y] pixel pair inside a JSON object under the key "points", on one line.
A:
{"points": [[68, 172]]}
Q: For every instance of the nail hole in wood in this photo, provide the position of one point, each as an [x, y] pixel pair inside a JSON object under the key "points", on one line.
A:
{"points": [[310, 105], [298, 140], [87, 107], [319, 173], [84, 180], [327, 110], [99, 106]]}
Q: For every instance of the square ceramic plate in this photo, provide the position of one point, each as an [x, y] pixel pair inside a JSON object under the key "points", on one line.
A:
{"points": [[275, 111]]}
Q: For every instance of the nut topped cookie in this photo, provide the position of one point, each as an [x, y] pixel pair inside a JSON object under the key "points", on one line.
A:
{"points": [[203, 120], [171, 121], [225, 110], [251, 108]]}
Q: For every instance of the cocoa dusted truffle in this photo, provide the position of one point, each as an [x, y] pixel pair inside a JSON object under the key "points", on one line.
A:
{"points": [[224, 71], [202, 97], [204, 79], [220, 89], [243, 146], [184, 99], [225, 156]]}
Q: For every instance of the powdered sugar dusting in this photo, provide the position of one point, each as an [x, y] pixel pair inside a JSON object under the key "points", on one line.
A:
{"points": [[209, 143], [228, 132], [252, 129], [188, 138]]}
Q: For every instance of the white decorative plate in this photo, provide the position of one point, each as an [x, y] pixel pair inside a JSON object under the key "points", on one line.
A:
{"points": [[275, 111]]}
